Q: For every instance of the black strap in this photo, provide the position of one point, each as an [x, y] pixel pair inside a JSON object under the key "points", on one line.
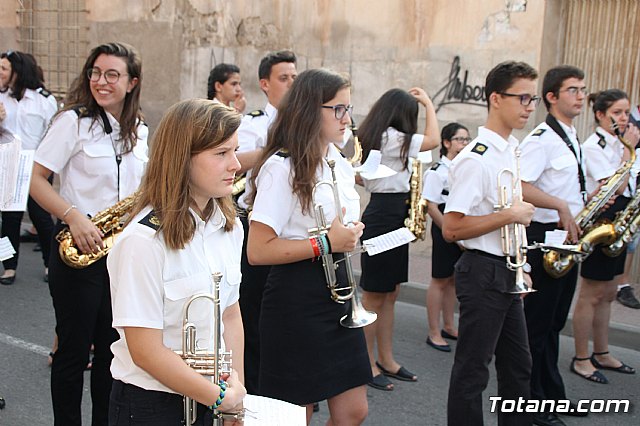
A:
{"points": [[555, 126], [105, 121]]}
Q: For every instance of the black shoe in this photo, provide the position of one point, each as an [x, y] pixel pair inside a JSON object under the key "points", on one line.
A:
{"points": [[316, 407], [547, 419], [573, 411], [7, 280], [443, 348], [37, 247], [28, 237], [627, 298]]}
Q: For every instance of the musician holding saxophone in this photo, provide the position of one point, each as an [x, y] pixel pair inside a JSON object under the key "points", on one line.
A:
{"points": [[183, 239], [553, 175], [98, 146], [605, 154], [391, 127], [491, 318], [306, 354]]}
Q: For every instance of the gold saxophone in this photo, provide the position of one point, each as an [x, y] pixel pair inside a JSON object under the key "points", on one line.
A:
{"points": [[558, 263], [109, 221], [416, 222]]}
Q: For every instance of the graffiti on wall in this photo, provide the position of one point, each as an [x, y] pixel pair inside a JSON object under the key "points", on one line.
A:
{"points": [[459, 91]]}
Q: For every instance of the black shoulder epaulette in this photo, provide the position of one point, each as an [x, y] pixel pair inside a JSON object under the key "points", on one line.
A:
{"points": [[256, 113], [480, 148], [602, 142], [435, 166], [445, 192], [538, 132], [151, 220], [284, 153], [44, 92], [81, 111]]}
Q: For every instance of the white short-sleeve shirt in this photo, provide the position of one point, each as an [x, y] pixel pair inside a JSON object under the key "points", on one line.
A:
{"points": [[547, 163], [435, 188], [390, 148], [150, 285], [473, 180], [603, 152], [279, 208], [252, 135], [29, 117], [84, 155]]}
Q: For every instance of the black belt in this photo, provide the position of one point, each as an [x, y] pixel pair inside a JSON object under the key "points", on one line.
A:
{"points": [[487, 255]]}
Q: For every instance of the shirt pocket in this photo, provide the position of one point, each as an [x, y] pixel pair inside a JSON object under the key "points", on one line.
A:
{"points": [[99, 158], [563, 162], [177, 293]]}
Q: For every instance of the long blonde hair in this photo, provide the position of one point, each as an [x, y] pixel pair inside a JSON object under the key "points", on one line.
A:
{"points": [[186, 129]]}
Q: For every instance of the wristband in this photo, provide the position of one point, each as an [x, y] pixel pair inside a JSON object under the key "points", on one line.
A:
{"points": [[314, 244], [327, 243], [218, 403], [66, 212]]}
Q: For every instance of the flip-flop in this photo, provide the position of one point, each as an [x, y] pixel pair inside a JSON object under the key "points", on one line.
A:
{"points": [[381, 382], [401, 374]]}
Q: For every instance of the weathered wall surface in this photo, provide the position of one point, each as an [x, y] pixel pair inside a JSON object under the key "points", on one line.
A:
{"points": [[8, 24], [381, 44]]}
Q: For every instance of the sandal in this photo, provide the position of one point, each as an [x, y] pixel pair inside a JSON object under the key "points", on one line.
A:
{"points": [[401, 374], [381, 382], [623, 368], [596, 376]]}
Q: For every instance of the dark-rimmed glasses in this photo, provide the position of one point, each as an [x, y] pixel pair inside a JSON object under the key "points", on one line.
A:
{"points": [[339, 110], [110, 76], [525, 100], [461, 139], [573, 90]]}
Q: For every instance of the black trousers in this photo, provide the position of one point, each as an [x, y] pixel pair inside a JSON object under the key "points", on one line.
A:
{"points": [[41, 220], [82, 303], [131, 405], [251, 289], [491, 322], [546, 312]]}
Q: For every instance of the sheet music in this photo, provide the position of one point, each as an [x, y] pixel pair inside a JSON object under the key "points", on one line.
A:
{"points": [[425, 157], [6, 249], [9, 158], [23, 180], [556, 238], [388, 241], [268, 411], [372, 169]]}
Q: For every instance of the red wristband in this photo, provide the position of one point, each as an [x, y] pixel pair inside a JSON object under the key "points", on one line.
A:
{"points": [[314, 244]]}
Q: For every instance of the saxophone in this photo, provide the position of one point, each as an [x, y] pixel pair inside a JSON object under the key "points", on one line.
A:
{"points": [[625, 226], [416, 222], [109, 221], [556, 263]]}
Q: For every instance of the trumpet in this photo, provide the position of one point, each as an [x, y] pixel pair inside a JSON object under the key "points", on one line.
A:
{"points": [[205, 362], [513, 236], [357, 316]]}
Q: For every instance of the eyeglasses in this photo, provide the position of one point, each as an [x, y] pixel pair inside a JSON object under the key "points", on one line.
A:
{"points": [[525, 100], [461, 139], [573, 90], [340, 110], [111, 76]]}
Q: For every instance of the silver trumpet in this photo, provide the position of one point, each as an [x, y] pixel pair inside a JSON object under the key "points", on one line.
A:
{"points": [[358, 316], [513, 235], [205, 362]]}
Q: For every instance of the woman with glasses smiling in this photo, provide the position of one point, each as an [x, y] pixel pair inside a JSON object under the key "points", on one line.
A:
{"points": [[98, 146], [390, 127], [306, 356], [441, 296]]}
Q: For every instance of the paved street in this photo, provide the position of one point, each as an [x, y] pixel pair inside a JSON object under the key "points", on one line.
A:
{"points": [[26, 331]]}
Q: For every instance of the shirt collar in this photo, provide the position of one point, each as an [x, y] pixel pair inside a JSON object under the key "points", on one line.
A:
{"points": [[608, 137], [495, 139], [215, 222], [270, 110], [444, 160], [569, 130]]}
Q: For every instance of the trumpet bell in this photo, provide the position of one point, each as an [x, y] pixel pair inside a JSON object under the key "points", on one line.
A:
{"points": [[358, 317]]}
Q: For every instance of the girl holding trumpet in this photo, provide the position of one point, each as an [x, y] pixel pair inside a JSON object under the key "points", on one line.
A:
{"points": [[183, 230], [324, 359]]}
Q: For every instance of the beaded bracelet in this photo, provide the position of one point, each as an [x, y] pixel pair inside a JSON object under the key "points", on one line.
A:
{"points": [[218, 403], [326, 245], [66, 212]]}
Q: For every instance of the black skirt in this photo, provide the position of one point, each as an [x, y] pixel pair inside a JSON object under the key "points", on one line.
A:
{"points": [[305, 354], [444, 255], [381, 273]]}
